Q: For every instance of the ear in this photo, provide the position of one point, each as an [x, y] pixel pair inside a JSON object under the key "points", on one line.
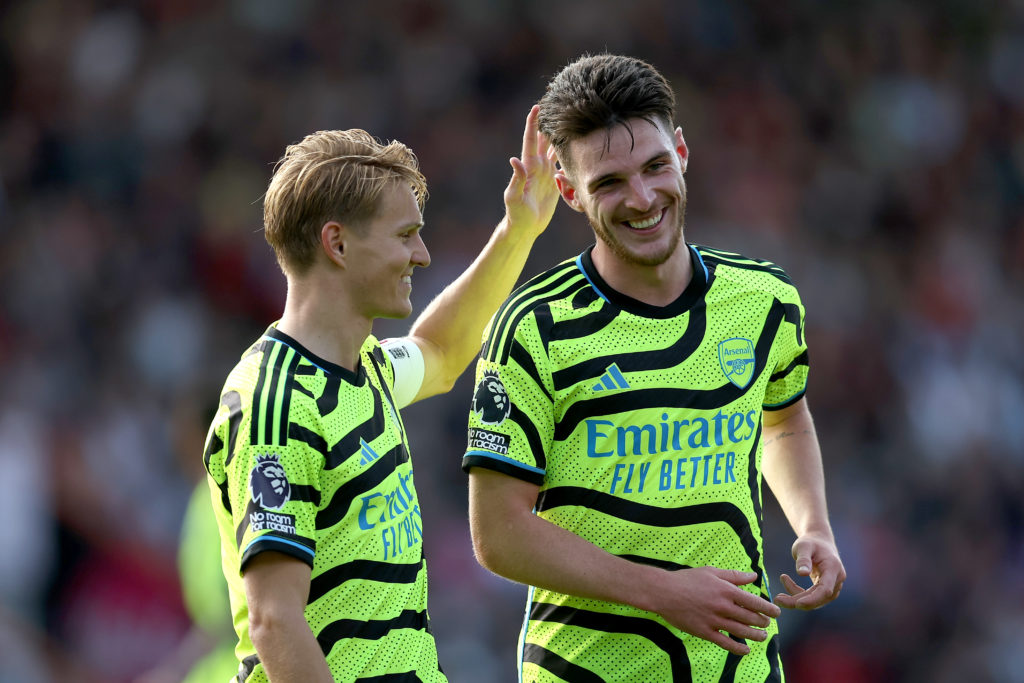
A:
{"points": [[567, 190], [681, 148], [333, 240]]}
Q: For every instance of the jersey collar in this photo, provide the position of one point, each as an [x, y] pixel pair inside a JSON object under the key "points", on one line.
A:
{"points": [[693, 293], [355, 378]]}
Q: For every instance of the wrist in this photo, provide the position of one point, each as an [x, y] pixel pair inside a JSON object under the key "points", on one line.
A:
{"points": [[645, 591], [818, 530]]}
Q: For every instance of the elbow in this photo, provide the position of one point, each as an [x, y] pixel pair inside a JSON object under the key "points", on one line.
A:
{"points": [[486, 552], [485, 555], [446, 382], [493, 552], [266, 625]]}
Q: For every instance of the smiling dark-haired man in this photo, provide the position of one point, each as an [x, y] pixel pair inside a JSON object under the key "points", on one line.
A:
{"points": [[647, 386]]}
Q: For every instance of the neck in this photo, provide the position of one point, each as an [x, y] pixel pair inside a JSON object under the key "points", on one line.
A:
{"points": [[655, 285], [321, 318]]}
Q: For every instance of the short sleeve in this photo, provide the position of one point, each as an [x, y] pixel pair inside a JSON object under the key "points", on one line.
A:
{"points": [[511, 414], [788, 381], [274, 495]]}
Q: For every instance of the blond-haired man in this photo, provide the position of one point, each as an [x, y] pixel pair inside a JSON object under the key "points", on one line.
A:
{"points": [[308, 460]]}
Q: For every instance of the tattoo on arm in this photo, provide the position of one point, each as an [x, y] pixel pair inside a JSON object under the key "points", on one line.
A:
{"points": [[784, 435]]}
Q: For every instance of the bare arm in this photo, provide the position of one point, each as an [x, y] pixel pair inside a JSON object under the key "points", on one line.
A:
{"points": [[792, 467], [449, 330], [276, 590], [513, 542]]}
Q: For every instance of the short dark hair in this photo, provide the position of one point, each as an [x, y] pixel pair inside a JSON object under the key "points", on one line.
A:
{"points": [[599, 92]]}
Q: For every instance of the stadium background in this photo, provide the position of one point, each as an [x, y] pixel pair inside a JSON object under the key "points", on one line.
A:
{"points": [[873, 149]]}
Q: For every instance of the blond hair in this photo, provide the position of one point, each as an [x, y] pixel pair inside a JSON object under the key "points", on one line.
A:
{"points": [[332, 175]]}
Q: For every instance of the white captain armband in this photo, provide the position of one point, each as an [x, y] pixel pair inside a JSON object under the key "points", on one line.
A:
{"points": [[407, 360]]}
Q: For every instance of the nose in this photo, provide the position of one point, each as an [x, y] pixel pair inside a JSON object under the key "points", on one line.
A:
{"points": [[641, 195], [420, 255]]}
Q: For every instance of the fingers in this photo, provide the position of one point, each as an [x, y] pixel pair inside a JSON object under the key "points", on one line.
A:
{"points": [[517, 183], [756, 605], [823, 592], [530, 133], [518, 170], [726, 643], [737, 577], [537, 149], [741, 630]]}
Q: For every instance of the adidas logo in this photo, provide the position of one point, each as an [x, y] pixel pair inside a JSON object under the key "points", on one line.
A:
{"points": [[611, 379], [369, 455]]}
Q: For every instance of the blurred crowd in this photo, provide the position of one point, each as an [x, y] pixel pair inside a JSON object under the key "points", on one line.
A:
{"points": [[873, 149]]}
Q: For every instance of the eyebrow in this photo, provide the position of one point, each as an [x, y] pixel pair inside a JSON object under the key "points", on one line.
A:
{"points": [[592, 185]]}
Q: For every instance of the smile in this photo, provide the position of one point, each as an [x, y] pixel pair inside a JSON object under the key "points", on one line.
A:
{"points": [[647, 222]]}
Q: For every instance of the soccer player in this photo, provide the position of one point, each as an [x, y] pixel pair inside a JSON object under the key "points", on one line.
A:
{"points": [[628, 403], [307, 457]]}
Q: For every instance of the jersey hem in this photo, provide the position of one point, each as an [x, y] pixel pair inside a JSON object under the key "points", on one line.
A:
{"points": [[785, 404], [278, 545], [493, 461]]}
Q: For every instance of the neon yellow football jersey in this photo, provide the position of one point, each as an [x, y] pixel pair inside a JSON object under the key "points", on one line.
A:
{"points": [[310, 459], [642, 427]]}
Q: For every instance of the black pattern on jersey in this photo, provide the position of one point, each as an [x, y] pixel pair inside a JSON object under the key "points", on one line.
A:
{"points": [[348, 445], [272, 395], [639, 361], [662, 564], [378, 359], [650, 515], [523, 358], [660, 636], [799, 361], [232, 400], [531, 434], [561, 667], [752, 478], [555, 284], [707, 399], [374, 629], [714, 257], [407, 677], [369, 570], [365, 481], [583, 326], [328, 400]]}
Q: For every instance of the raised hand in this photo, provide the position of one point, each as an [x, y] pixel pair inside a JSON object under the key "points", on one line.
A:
{"points": [[531, 195], [818, 558]]}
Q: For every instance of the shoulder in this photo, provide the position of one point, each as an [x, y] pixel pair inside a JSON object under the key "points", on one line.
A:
{"points": [[748, 272], [555, 287]]}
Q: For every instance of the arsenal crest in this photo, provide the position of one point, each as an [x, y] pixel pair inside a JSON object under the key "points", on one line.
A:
{"points": [[736, 357]]}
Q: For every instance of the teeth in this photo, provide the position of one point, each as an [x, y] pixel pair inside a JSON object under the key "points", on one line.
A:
{"points": [[641, 225]]}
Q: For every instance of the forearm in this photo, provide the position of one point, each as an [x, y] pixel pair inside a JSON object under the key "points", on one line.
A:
{"points": [[525, 548], [792, 467], [288, 650], [454, 321], [276, 589]]}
